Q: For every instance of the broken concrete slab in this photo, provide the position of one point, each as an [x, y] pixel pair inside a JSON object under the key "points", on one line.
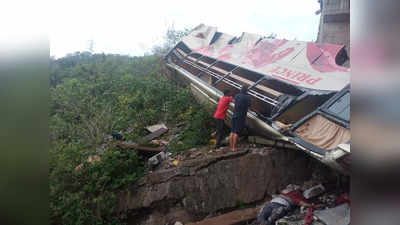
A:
{"points": [[339, 215], [156, 127]]}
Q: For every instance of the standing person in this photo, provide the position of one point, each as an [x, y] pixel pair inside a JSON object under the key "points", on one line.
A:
{"points": [[242, 103], [220, 114]]}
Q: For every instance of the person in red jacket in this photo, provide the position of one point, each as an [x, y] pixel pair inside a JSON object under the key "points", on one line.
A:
{"points": [[220, 114]]}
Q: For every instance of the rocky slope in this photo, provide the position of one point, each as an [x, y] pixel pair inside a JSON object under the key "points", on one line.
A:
{"points": [[213, 184]]}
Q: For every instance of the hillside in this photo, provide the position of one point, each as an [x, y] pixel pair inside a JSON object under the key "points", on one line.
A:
{"points": [[93, 95]]}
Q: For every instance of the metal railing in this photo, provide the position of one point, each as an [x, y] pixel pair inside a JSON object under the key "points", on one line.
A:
{"points": [[224, 78]]}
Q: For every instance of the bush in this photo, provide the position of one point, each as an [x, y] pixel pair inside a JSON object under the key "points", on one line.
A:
{"points": [[87, 194], [91, 96]]}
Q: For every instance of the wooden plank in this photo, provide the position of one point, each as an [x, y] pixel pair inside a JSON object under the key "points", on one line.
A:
{"points": [[155, 134], [232, 218], [241, 79]]}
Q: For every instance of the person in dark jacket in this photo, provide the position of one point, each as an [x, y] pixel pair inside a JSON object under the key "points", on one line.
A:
{"points": [[242, 103], [220, 115]]}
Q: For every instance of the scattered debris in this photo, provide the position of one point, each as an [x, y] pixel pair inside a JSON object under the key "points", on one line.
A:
{"points": [[156, 127]]}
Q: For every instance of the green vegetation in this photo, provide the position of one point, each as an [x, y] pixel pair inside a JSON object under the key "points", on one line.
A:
{"points": [[92, 95]]}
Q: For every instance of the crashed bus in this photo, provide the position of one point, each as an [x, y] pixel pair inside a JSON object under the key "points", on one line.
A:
{"points": [[299, 92]]}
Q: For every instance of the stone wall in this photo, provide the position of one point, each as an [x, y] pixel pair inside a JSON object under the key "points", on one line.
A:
{"points": [[198, 188]]}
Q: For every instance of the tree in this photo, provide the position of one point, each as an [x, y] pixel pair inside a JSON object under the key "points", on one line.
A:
{"points": [[171, 38]]}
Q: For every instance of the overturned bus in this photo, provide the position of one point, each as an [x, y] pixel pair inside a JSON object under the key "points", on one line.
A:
{"points": [[299, 92]]}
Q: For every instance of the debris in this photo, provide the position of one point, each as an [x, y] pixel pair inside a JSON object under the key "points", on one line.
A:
{"points": [[314, 191], [339, 215], [213, 141], [126, 145], [156, 127], [175, 163], [178, 223], [155, 134], [157, 159]]}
